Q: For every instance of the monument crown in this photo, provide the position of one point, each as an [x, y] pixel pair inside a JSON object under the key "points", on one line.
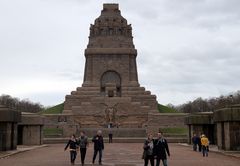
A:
{"points": [[110, 30], [109, 8]]}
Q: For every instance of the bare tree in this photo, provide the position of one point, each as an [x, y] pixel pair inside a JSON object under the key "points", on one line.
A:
{"points": [[209, 105], [21, 105]]}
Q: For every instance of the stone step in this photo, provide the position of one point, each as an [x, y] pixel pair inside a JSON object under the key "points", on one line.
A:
{"points": [[88, 89], [116, 140], [82, 96], [134, 93], [133, 88], [117, 132], [76, 97], [95, 93]]}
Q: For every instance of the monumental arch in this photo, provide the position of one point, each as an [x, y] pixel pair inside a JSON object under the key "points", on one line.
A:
{"points": [[110, 94]]}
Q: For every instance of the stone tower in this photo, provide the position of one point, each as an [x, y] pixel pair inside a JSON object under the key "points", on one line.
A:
{"points": [[110, 93]]}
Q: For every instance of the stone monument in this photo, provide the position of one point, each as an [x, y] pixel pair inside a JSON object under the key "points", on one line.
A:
{"points": [[110, 94]]}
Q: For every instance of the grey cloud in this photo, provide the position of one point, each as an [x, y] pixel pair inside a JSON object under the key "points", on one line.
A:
{"points": [[186, 49]]}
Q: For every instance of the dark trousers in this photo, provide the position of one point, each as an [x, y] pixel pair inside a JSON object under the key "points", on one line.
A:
{"points": [[163, 160], [147, 159], [195, 147], [83, 154], [199, 147], [110, 136], [73, 155], [204, 151], [95, 155]]}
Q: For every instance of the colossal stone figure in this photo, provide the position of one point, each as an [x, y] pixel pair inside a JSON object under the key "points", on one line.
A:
{"points": [[110, 77]]}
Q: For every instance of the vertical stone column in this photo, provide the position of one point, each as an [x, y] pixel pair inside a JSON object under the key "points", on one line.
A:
{"points": [[2, 136], [190, 133], [133, 78], [227, 135], [88, 71], [219, 136], [15, 135]]}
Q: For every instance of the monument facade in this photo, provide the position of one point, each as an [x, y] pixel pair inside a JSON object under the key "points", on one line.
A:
{"points": [[110, 94]]}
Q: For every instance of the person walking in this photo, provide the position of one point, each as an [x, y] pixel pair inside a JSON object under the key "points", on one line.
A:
{"points": [[110, 136], [83, 144], [195, 141], [205, 143], [72, 144], [148, 154], [98, 146], [160, 149], [199, 143]]}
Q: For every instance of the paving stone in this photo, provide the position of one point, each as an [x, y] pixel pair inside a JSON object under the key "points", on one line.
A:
{"points": [[117, 154]]}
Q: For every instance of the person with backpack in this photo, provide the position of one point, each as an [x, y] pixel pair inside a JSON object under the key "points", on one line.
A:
{"points": [[161, 149], [205, 144]]}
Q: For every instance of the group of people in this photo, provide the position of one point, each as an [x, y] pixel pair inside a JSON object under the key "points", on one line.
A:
{"points": [[202, 143], [155, 149], [82, 142]]}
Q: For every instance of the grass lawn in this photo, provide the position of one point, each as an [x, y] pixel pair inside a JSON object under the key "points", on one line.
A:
{"points": [[58, 109], [165, 109]]}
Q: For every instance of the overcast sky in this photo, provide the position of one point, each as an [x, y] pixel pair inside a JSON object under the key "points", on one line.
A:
{"points": [[186, 48]]}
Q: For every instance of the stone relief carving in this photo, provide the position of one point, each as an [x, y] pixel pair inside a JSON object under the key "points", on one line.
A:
{"points": [[110, 113]]}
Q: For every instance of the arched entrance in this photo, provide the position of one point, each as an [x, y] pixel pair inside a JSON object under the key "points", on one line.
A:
{"points": [[111, 84]]}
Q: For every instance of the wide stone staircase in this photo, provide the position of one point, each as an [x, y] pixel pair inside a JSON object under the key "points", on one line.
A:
{"points": [[120, 135]]}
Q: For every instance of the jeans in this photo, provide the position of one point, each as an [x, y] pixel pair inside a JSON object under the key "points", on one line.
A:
{"points": [[204, 151], [95, 155], [195, 147], [146, 160], [110, 136], [83, 154], [163, 160], [73, 155], [199, 147]]}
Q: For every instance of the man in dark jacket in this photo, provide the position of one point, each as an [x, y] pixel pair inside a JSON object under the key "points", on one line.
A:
{"points": [[195, 141], [98, 146], [160, 149]]}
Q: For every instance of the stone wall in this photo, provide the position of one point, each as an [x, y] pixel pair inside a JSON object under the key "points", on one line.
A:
{"points": [[30, 129], [227, 122], [8, 128], [65, 122], [157, 121]]}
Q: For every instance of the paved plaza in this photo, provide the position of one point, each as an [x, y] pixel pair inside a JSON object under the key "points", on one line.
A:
{"points": [[128, 154]]}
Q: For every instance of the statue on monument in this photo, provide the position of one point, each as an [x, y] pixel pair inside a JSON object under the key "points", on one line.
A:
{"points": [[110, 114]]}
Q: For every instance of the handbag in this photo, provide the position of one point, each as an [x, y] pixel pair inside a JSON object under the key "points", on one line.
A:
{"points": [[144, 155]]}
